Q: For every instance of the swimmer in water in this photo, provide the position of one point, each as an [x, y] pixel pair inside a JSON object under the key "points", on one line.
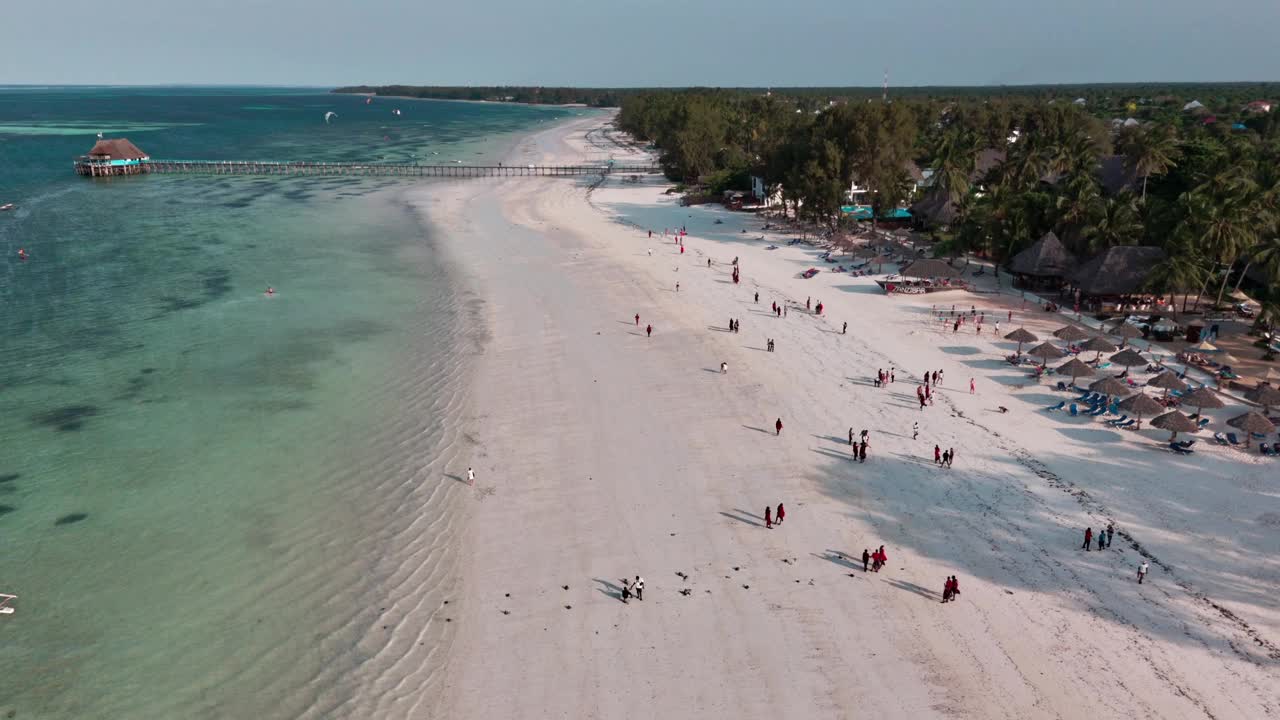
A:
{"points": [[22, 254], [271, 291]]}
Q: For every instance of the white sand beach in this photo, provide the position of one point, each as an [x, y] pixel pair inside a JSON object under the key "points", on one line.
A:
{"points": [[601, 454]]}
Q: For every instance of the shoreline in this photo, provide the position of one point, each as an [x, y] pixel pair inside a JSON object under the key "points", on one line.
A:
{"points": [[602, 453]]}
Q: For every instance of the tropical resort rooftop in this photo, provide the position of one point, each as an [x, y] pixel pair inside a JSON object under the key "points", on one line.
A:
{"points": [[116, 156]]}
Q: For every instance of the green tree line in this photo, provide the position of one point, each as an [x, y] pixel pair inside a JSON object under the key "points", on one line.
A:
{"points": [[1101, 169]]}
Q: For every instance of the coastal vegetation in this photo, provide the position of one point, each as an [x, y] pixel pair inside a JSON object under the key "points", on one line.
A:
{"points": [[1193, 170]]}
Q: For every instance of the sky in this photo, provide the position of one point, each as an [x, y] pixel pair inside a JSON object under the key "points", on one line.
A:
{"points": [[628, 43]]}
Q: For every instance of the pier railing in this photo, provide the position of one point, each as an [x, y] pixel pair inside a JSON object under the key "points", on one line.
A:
{"points": [[338, 169]]}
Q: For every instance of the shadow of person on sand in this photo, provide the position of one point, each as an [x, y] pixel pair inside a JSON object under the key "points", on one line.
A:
{"points": [[750, 427], [839, 558], [609, 589], [914, 588], [457, 478], [743, 516]]}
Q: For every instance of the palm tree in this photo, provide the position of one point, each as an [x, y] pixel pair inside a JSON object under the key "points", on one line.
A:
{"points": [[1152, 151], [1078, 203], [1116, 222], [953, 161], [1182, 270]]}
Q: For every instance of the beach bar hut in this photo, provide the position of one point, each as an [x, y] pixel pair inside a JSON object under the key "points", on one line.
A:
{"points": [[116, 156], [1044, 264], [1118, 271]]}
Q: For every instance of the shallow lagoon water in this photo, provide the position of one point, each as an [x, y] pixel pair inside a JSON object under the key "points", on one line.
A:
{"points": [[204, 489]]}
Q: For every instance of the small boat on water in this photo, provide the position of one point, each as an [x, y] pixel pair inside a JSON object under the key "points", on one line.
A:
{"points": [[6, 207], [5, 607]]}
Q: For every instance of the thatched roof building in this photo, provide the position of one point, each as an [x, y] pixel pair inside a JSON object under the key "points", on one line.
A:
{"points": [[1048, 257], [935, 208], [986, 161], [116, 149], [1119, 270]]}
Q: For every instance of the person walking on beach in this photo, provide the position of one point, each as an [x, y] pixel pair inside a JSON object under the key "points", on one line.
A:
{"points": [[708, 262], [724, 368], [928, 395], [844, 330], [946, 458], [782, 513], [892, 378], [1088, 538], [865, 435], [637, 319], [920, 396], [638, 587], [862, 452], [768, 517], [757, 298], [1102, 540], [626, 590], [915, 430], [806, 303], [850, 436], [677, 287], [1142, 571], [946, 589], [951, 456], [1110, 531], [648, 330], [866, 559], [997, 328], [471, 476], [777, 427], [972, 388], [937, 455]]}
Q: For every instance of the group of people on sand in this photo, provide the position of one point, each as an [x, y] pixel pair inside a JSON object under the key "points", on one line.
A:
{"points": [[771, 520], [877, 559], [1104, 538], [885, 378], [859, 448], [734, 325], [950, 589], [943, 458], [634, 588], [815, 308], [779, 310]]}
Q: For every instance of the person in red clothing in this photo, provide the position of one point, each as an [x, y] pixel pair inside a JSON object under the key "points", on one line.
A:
{"points": [[1088, 537], [648, 331], [782, 513], [637, 319], [768, 519], [777, 426], [937, 455], [946, 590]]}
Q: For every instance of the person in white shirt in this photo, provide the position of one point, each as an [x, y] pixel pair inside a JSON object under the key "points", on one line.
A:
{"points": [[1142, 571], [471, 476], [638, 587]]}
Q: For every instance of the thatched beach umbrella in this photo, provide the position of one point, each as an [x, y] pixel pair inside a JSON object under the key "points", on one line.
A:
{"points": [[1168, 380], [1128, 358], [1110, 386], [1020, 336], [1125, 330], [1046, 352], [1074, 368], [1264, 395], [1070, 333], [1202, 398], [1175, 422], [1140, 405], [1273, 375], [1252, 422], [1205, 346], [1098, 345]]}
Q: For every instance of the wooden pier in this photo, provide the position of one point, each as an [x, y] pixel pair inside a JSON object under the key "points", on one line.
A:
{"points": [[343, 169]]}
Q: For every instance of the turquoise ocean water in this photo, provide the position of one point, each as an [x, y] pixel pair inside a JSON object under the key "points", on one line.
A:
{"points": [[205, 492]]}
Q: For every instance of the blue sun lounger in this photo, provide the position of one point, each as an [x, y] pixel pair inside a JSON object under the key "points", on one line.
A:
{"points": [[1178, 448], [1056, 408], [1118, 420], [1099, 410], [1231, 438], [1126, 424], [1220, 438], [1074, 411]]}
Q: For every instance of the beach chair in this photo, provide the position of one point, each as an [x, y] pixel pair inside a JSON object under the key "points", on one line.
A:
{"points": [[1118, 421], [1265, 449], [1179, 449], [1221, 440], [1099, 410], [1231, 438], [1127, 424], [1056, 408], [1187, 443], [1203, 423], [1074, 411], [1062, 385]]}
